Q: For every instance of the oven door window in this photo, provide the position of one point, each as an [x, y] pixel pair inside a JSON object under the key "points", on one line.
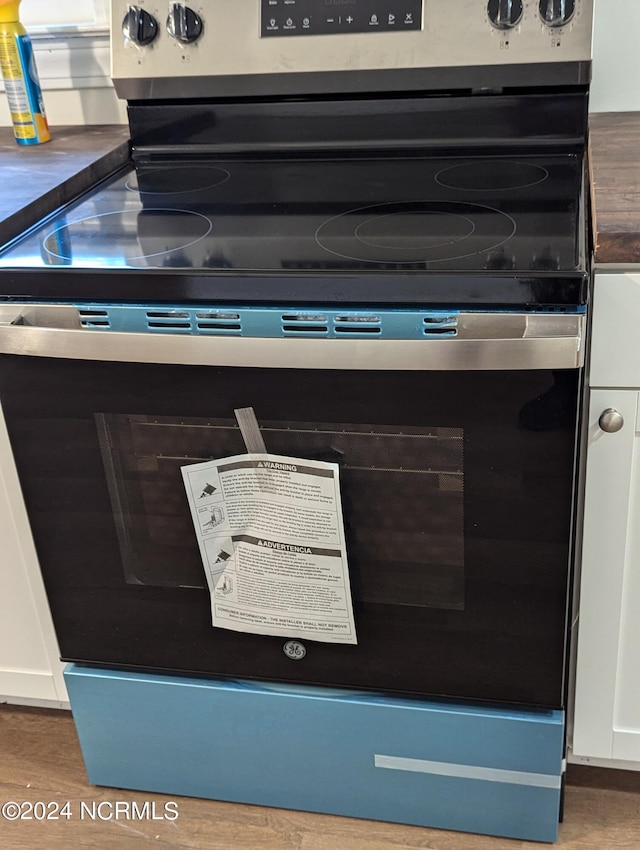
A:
{"points": [[402, 491], [457, 497]]}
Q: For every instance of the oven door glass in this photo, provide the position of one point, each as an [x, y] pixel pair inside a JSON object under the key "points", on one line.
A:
{"points": [[457, 499]]}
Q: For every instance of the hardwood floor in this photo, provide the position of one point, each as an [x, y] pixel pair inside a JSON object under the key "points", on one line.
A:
{"points": [[40, 760]]}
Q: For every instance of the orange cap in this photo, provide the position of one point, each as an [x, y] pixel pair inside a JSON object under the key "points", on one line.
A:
{"points": [[9, 11]]}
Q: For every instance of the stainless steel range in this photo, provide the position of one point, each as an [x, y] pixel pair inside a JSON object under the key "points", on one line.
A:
{"points": [[368, 222]]}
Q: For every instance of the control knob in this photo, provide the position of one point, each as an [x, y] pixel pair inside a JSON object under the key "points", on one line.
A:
{"points": [[505, 14], [139, 26], [557, 13], [183, 23]]}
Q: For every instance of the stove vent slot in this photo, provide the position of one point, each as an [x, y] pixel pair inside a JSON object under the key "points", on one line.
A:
{"points": [[168, 320], [437, 325], [94, 319], [356, 324], [305, 324], [218, 322]]}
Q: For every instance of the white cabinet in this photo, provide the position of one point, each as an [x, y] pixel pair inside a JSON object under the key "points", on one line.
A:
{"points": [[30, 670], [606, 721]]}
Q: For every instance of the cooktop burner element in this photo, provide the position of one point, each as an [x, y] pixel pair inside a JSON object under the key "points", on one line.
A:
{"points": [[491, 176], [410, 228], [180, 180], [126, 236], [410, 232]]}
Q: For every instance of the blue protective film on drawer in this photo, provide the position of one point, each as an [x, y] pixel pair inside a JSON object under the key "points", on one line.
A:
{"points": [[448, 766]]}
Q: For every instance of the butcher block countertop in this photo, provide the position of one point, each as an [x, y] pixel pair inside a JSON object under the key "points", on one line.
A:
{"points": [[615, 173], [37, 179]]}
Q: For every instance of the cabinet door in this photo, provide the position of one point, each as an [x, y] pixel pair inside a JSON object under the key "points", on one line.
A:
{"points": [[29, 667], [607, 697], [615, 348]]}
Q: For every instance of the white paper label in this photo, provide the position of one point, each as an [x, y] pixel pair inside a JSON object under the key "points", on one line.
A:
{"points": [[271, 537]]}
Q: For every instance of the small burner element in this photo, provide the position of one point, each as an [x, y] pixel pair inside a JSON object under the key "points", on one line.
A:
{"points": [[491, 175], [125, 236], [176, 181], [415, 232]]}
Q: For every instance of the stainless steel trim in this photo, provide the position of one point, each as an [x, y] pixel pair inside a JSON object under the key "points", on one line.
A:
{"points": [[468, 771], [484, 341], [331, 82]]}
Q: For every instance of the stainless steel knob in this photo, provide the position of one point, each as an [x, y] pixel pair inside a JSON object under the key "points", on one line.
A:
{"points": [[611, 420], [557, 13], [183, 23], [139, 26], [505, 14]]}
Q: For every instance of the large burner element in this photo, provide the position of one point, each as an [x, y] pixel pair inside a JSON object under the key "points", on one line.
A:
{"points": [[418, 231], [126, 237]]}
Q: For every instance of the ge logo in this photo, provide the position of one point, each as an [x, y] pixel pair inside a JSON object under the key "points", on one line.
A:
{"points": [[295, 650]]}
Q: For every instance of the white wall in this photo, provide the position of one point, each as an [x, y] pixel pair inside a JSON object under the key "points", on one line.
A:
{"points": [[76, 86], [616, 57]]}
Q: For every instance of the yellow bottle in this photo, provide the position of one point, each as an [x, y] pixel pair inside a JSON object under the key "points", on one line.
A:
{"points": [[20, 76]]}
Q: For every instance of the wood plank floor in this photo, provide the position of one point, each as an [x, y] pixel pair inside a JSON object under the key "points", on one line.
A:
{"points": [[40, 760]]}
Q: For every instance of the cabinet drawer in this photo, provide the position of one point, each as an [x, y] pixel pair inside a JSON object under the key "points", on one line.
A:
{"points": [[615, 351]]}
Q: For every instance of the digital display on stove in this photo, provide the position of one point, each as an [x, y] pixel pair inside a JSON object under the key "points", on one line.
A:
{"points": [[329, 17]]}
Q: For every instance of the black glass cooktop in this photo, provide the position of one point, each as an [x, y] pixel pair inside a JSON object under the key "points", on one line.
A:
{"points": [[474, 215]]}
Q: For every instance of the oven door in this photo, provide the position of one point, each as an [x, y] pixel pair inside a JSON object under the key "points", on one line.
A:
{"points": [[457, 474]]}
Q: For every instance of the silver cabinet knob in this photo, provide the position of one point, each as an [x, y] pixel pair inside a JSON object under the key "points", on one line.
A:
{"points": [[611, 420]]}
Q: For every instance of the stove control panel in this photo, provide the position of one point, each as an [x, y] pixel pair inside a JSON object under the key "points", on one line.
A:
{"points": [[327, 17], [214, 48]]}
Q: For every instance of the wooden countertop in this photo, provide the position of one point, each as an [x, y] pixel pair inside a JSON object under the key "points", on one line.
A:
{"points": [[615, 172], [36, 179]]}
